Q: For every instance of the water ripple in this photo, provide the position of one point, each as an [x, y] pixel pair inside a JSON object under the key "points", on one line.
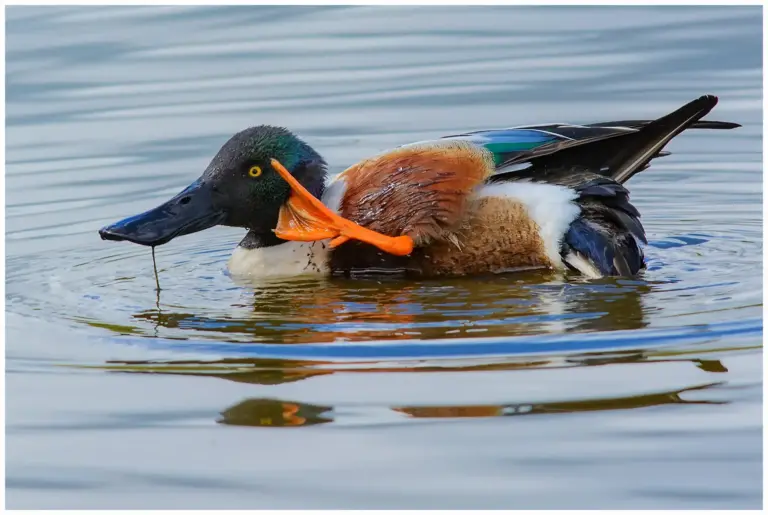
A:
{"points": [[604, 342]]}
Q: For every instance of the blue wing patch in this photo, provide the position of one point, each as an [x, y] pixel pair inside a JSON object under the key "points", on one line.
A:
{"points": [[504, 143]]}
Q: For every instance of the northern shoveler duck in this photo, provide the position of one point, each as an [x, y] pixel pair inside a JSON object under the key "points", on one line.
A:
{"points": [[482, 202]]}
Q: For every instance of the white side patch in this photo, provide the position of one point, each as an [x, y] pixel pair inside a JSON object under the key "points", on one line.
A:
{"points": [[287, 259], [549, 205]]}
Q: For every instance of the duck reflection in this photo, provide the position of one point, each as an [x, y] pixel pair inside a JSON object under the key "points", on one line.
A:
{"points": [[281, 413], [254, 371], [321, 311], [275, 413], [616, 403], [270, 371], [317, 311], [262, 412]]}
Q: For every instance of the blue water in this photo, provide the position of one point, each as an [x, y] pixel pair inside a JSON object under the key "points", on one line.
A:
{"points": [[362, 393]]}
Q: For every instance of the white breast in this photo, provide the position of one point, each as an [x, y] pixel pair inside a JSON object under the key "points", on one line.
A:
{"points": [[292, 257], [287, 259]]}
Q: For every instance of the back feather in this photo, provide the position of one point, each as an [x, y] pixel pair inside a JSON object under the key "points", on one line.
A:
{"points": [[419, 190]]}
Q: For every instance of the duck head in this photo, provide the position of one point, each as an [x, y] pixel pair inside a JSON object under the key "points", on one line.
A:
{"points": [[240, 188]]}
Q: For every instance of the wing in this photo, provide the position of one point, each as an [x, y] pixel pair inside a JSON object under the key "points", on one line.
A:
{"points": [[505, 144], [616, 151], [596, 145], [420, 190], [510, 146]]}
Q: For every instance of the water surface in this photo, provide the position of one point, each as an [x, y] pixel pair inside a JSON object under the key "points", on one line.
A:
{"points": [[531, 390]]}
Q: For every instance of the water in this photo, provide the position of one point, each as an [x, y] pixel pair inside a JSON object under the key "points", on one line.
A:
{"points": [[519, 391]]}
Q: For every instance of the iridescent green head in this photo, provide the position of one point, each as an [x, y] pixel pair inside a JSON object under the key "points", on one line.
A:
{"points": [[239, 189]]}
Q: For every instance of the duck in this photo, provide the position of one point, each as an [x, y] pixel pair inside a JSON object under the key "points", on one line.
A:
{"points": [[548, 196]]}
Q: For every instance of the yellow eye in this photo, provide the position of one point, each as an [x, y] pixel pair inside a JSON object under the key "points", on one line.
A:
{"points": [[255, 171]]}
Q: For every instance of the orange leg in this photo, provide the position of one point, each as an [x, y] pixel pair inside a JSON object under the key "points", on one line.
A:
{"points": [[305, 218]]}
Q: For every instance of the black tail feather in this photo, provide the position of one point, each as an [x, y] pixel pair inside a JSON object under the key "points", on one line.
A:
{"points": [[617, 155], [649, 140], [701, 124]]}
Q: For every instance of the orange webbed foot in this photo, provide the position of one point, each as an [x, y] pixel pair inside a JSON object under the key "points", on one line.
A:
{"points": [[305, 218]]}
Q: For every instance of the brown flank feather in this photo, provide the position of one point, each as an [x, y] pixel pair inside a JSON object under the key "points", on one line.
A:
{"points": [[496, 235], [420, 191]]}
